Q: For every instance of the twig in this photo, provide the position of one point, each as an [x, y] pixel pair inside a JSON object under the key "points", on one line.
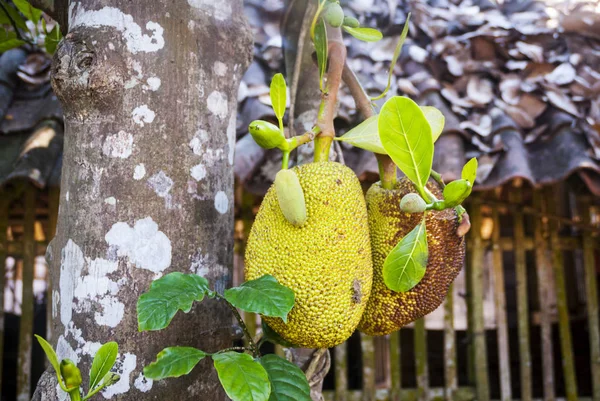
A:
{"points": [[242, 324], [14, 25]]}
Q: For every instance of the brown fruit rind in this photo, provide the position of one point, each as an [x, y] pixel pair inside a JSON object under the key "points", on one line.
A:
{"points": [[387, 311]]}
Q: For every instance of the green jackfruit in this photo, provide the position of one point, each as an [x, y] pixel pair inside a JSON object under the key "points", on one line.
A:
{"points": [[290, 197], [387, 311], [326, 262]]}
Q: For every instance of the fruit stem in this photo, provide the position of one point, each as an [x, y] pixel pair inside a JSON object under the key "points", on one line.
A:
{"points": [[337, 59], [387, 168], [285, 160]]}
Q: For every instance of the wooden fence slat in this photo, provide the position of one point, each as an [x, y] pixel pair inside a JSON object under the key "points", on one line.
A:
{"points": [[4, 204], [564, 326], [462, 394], [500, 310], [522, 302], [27, 299], [543, 269], [395, 366], [421, 365], [341, 372], [368, 359], [475, 303], [591, 295], [450, 364]]}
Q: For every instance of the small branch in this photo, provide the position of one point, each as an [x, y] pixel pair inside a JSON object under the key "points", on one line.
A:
{"points": [[242, 324], [14, 25], [232, 349]]}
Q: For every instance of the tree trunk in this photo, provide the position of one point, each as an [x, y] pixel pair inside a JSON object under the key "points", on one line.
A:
{"points": [[150, 93]]}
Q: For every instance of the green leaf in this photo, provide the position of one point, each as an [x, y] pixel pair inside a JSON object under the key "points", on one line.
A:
{"points": [[405, 266], [469, 171], [321, 49], [264, 296], [271, 336], [456, 192], [364, 34], [395, 58], [243, 378], [175, 291], [9, 42], [174, 362], [109, 379], [365, 136], [436, 121], [278, 96], [103, 362], [288, 382], [406, 137], [30, 12], [52, 39], [52, 358], [14, 15], [4, 20]]}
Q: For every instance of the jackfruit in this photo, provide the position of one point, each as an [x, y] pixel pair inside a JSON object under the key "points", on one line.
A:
{"points": [[387, 311], [326, 262]]}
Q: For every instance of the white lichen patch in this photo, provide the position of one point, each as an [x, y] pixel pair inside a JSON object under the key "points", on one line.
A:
{"points": [[221, 202], [217, 104], [71, 265], [220, 68], [161, 184], [220, 10], [112, 312], [131, 31], [144, 245], [231, 137], [110, 200], [139, 172], [124, 366], [118, 145], [142, 115], [198, 141], [65, 351], [198, 172], [143, 384], [152, 83]]}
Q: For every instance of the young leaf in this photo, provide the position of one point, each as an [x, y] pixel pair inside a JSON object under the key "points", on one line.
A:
{"points": [[52, 358], [103, 362], [456, 192], [288, 382], [406, 137], [173, 292], [14, 15], [365, 136], [469, 171], [405, 266], [52, 39], [10, 44], [278, 96], [30, 12], [264, 296], [4, 20], [174, 362], [436, 121], [395, 58], [364, 34], [242, 377], [321, 49]]}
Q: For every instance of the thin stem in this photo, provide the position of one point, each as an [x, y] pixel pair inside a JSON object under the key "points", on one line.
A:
{"points": [[14, 25], [437, 177], [387, 168], [75, 395], [285, 161], [242, 324], [232, 349]]}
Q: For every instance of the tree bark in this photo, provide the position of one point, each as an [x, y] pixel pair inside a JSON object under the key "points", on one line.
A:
{"points": [[149, 93]]}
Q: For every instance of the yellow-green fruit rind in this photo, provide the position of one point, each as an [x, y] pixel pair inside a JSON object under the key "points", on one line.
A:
{"points": [[290, 197], [387, 311], [327, 262]]}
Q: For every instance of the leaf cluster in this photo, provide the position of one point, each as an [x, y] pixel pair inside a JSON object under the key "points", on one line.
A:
{"points": [[243, 375], [69, 376], [20, 24]]}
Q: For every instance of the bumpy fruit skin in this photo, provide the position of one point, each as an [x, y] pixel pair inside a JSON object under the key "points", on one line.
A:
{"points": [[290, 197], [387, 311], [327, 262]]}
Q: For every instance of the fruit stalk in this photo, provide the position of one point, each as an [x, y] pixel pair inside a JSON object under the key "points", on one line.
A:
{"points": [[387, 168], [237, 316], [337, 59]]}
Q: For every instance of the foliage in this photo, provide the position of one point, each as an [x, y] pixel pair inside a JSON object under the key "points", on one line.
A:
{"points": [[21, 23], [243, 375], [69, 376]]}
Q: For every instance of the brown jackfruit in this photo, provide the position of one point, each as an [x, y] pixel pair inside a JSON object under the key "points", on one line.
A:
{"points": [[387, 311], [326, 262]]}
